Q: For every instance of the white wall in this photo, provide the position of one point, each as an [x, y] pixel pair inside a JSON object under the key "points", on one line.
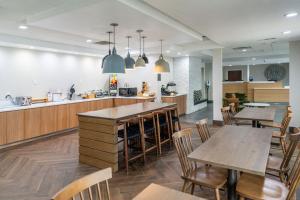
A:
{"points": [[187, 75], [34, 73], [295, 82]]}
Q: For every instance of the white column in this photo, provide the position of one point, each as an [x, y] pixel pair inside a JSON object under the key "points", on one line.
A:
{"points": [[217, 83], [294, 82], [248, 72]]}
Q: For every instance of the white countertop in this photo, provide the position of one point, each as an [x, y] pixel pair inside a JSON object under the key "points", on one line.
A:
{"points": [[39, 105], [177, 95]]}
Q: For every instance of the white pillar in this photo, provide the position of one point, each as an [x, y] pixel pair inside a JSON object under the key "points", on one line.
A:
{"points": [[295, 82], [217, 84], [248, 72]]}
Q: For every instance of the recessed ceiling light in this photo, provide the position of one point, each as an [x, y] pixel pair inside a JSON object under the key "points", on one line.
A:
{"points": [[178, 53], [286, 32], [244, 50], [89, 41], [230, 65], [186, 54], [253, 58], [168, 51], [31, 47], [23, 27], [291, 14]]}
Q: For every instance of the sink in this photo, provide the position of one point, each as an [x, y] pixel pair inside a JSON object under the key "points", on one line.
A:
{"points": [[7, 104]]}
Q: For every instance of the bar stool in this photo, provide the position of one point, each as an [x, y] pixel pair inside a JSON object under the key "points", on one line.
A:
{"points": [[162, 121], [148, 131], [173, 118], [130, 132]]}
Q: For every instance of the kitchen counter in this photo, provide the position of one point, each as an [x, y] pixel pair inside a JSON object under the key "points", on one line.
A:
{"points": [[98, 132], [179, 99], [173, 96], [39, 105]]}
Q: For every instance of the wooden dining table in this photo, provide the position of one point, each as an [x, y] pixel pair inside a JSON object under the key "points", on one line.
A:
{"points": [[154, 191], [236, 148], [256, 115]]}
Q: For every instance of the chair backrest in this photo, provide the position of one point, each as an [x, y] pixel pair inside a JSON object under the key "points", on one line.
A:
{"points": [[232, 108], [285, 123], [84, 184], [183, 144], [203, 129], [227, 118], [294, 175], [294, 141]]}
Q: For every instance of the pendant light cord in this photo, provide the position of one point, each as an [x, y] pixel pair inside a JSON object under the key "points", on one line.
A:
{"points": [[128, 43], [109, 40], [143, 45], [140, 43], [160, 46], [114, 36]]}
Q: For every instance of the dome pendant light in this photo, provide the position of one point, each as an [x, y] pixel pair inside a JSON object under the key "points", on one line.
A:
{"points": [[129, 62], [114, 63], [144, 55], [109, 51], [140, 61], [161, 65]]}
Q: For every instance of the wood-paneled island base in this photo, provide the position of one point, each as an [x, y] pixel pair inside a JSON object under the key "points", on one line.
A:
{"points": [[98, 132]]}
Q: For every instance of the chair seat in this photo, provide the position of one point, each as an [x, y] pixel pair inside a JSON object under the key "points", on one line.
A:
{"points": [[208, 176], [270, 124], [277, 134], [274, 163], [259, 187], [175, 119], [133, 131]]}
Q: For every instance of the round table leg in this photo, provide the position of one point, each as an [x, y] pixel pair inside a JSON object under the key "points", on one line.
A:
{"points": [[231, 184]]}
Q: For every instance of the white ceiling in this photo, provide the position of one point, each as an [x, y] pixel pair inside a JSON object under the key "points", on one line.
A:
{"points": [[227, 23]]}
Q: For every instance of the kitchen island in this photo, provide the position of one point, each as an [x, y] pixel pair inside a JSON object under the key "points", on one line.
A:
{"points": [[98, 132]]}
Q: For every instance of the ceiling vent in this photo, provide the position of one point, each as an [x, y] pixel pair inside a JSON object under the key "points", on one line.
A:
{"points": [[268, 39], [246, 48], [103, 43]]}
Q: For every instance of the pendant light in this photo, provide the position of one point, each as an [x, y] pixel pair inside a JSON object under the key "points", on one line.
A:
{"points": [[129, 62], [109, 51], [114, 63], [161, 65], [140, 61], [144, 55]]}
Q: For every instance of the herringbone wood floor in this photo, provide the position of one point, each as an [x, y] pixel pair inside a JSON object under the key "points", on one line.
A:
{"points": [[37, 171]]}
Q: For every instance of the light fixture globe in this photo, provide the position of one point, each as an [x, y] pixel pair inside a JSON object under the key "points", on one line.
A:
{"points": [[161, 65], [140, 62], [129, 62], [113, 64]]}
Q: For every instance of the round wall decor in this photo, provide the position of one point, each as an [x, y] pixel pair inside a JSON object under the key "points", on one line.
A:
{"points": [[275, 72]]}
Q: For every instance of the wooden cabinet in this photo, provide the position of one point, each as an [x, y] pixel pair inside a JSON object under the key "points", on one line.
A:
{"points": [[107, 103], [77, 108], [2, 128], [63, 115], [151, 99], [48, 119], [123, 101], [180, 100], [15, 126], [32, 122]]}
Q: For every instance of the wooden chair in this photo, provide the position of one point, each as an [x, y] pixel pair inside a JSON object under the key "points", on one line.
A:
{"points": [[235, 121], [279, 166], [203, 130], [259, 187], [173, 118], [149, 133], [82, 185], [192, 175], [281, 134], [130, 132], [227, 117], [276, 124], [162, 121]]}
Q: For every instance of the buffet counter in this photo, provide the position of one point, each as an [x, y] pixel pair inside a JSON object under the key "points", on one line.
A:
{"points": [[179, 99], [271, 95]]}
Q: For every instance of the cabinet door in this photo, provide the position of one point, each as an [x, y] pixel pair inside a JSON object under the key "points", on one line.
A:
{"points": [[15, 126], [32, 123], [63, 114], [107, 103], [3, 128], [77, 108], [124, 101], [48, 119]]}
